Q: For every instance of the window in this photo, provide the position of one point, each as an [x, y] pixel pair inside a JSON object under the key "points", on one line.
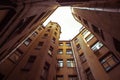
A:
{"points": [[85, 22], [39, 46], [14, 57], [55, 33], [109, 61], [96, 46], [68, 44], [60, 44], [68, 51], [89, 74], [27, 42], [45, 71], [60, 51], [34, 34], [72, 77], [117, 44], [89, 37], [48, 30], [29, 63], [23, 23], [78, 46], [76, 40], [39, 28], [50, 26], [45, 35], [56, 29], [50, 51], [85, 33], [60, 62], [98, 31], [59, 77], [53, 39], [82, 58], [95, 29], [70, 63]]}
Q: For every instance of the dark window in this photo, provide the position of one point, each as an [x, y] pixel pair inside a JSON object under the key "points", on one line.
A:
{"points": [[39, 28], [56, 29], [53, 40], [76, 39], [89, 74], [116, 44], [41, 15], [45, 35], [27, 42], [59, 77], [109, 61], [98, 31], [39, 46], [15, 57], [55, 33], [85, 22], [23, 24], [45, 71], [48, 30], [78, 46], [95, 29], [50, 26], [72, 77], [82, 58], [7, 18], [79, 18], [29, 63]]}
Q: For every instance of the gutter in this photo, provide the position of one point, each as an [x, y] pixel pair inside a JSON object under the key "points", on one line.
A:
{"points": [[79, 78]]}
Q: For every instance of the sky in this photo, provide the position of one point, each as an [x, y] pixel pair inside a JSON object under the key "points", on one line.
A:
{"points": [[69, 26]]}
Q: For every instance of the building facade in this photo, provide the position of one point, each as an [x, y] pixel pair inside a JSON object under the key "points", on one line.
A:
{"points": [[102, 19], [35, 58], [18, 19], [66, 69], [29, 51], [94, 60]]}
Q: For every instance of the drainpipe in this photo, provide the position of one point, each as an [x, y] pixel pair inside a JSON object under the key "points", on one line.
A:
{"points": [[98, 9], [79, 76]]}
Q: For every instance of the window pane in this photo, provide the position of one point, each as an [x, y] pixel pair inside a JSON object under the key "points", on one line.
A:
{"points": [[68, 51], [27, 42], [60, 44], [60, 63], [109, 61], [68, 44], [89, 37], [85, 33], [60, 51], [96, 46], [70, 63], [59, 77]]}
